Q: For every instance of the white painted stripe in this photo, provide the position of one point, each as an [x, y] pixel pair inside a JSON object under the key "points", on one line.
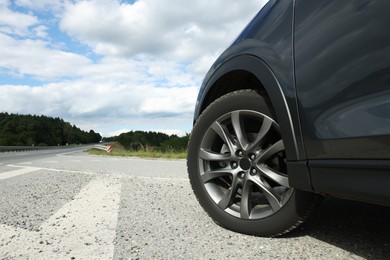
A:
{"points": [[53, 169], [10, 174], [49, 161], [158, 178], [25, 163], [84, 228]]}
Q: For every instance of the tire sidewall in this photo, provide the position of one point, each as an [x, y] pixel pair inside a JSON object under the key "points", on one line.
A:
{"points": [[276, 223]]}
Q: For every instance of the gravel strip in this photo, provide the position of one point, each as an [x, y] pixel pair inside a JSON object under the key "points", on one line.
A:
{"points": [[161, 219], [28, 200]]}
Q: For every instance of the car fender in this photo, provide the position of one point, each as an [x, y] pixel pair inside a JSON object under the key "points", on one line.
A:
{"points": [[298, 172], [264, 74]]}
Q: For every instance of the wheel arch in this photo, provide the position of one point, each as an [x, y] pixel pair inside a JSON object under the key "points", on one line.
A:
{"points": [[250, 72]]}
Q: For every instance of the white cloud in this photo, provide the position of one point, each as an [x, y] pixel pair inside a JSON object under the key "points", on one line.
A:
{"points": [[83, 101], [148, 59], [35, 58], [117, 132], [178, 132], [40, 31], [41, 5], [173, 27], [170, 101], [15, 23]]}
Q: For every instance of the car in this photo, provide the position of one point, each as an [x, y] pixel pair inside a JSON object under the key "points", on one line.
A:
{"points": [[296, 108]]}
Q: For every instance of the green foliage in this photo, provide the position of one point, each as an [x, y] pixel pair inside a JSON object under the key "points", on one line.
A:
{"points": [[142, 154], [151, 141], [29, 130], [175, 143]]}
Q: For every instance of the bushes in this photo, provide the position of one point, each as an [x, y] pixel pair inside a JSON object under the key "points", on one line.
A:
{"points": [[152, 141], [175, 144]]}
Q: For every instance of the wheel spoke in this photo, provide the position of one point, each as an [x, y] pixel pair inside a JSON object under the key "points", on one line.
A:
{"points": [[272, 150], [265, 127], [240, 166], [227, 199], [224, 134], [209, 175], [273, 198], [237, 126], [212, 156], [274, 175], [244, 204]]}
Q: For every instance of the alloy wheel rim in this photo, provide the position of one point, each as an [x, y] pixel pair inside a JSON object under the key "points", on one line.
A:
{"points": [[242, 165]]}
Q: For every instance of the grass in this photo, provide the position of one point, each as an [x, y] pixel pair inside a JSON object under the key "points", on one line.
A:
{"points": [[118, 150]]}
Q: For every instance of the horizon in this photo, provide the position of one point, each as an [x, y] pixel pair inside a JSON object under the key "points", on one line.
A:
{"points": [[113, 66], [87, 130]]}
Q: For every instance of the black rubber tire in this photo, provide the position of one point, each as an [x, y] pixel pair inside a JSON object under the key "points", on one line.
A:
{"points": [[293, 212]]}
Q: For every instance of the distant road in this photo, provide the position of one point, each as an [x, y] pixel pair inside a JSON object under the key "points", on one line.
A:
{"points": [[65, 204], [21, 156]]}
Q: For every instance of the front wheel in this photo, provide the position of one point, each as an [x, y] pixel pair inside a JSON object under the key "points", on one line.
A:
{"points": [[237, 168]]}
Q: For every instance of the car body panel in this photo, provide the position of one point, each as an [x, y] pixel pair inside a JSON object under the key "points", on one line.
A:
{"points": [[325, 66], [265, 49], [342, 62], [342, 68]]}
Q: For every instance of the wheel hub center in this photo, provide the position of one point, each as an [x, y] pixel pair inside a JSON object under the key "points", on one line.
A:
{"points": [[245, 164]]}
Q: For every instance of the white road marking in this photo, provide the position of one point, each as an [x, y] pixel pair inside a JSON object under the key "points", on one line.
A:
{"points": [[49, 161], [23, 170], [25, 163], [157, 178], [84, 228], [52, 169]]}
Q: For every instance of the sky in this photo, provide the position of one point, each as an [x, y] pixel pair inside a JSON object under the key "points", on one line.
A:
{"points": [[113, 65]]}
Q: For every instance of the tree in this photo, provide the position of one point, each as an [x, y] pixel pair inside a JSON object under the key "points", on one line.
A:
{"points": [[41, 130]]}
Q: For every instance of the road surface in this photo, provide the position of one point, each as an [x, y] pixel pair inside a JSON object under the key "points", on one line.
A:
{"points": [[66, 204]]}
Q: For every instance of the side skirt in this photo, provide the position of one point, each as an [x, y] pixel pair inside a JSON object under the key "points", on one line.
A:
{"points": [[363, 180]]}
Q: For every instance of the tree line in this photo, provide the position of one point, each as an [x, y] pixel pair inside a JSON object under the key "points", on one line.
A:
{"points": [[146, 141], [41, 130]]}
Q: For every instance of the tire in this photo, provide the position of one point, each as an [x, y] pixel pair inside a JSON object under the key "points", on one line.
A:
{"points": [[237, 168]]}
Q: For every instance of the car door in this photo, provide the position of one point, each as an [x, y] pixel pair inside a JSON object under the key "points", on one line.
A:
{"points": [[342, 68], [342, 76]]}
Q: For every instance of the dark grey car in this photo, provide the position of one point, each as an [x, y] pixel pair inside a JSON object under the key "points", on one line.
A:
{"points": [[297, 107]]}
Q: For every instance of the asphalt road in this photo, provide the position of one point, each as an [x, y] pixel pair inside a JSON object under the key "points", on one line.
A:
{"points": [[70, 205]]}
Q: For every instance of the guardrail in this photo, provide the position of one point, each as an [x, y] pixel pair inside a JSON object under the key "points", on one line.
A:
{"points": [[106, 148], [23, 148], [34, 148]]}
